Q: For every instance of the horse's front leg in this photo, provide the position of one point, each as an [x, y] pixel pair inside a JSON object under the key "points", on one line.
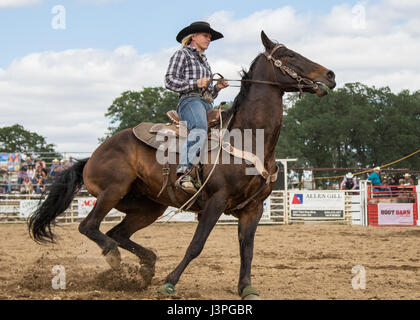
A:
{"points": [[211, 213], [247, 225]]}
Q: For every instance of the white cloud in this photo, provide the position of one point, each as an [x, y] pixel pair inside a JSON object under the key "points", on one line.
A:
{"points": [[64, 95], [17, 3]]}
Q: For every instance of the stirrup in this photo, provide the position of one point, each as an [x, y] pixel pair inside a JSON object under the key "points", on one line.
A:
{"points": [[186, 183]]}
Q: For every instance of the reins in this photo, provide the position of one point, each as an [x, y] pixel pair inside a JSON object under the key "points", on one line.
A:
{"points": [[302, 82]]}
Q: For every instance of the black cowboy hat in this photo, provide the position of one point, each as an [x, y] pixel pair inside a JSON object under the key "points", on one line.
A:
{"points": [[196, 27]]}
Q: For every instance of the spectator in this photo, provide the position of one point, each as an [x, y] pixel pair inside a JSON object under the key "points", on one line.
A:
{"points": [[375, 177], [349, 182], [41, 173], [40, 163], [40, 185], [63, 164], [5, 182], [26, 186], [21, 175], [70, 162], [29, 161], [31, 172], [55, 164], [408, 181], [393, 186], [55, 173]]}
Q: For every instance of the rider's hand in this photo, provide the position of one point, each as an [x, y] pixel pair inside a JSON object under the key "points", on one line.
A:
{"points": [[203, 82], [221, 84]]}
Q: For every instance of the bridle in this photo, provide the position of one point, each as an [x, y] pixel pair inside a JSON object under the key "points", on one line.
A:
{"points": [[302, 82]]}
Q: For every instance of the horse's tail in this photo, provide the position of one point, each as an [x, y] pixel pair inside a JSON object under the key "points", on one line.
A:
{"points": [[58, 198]]}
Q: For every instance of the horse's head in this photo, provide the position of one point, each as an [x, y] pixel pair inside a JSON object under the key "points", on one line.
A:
{"points": [[295, 72]]}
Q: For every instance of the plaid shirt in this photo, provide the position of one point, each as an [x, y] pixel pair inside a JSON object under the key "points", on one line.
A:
{"points": [[185, 68]]}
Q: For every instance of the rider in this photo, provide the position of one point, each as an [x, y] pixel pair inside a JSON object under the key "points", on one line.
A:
{"points": [[189, 75]]}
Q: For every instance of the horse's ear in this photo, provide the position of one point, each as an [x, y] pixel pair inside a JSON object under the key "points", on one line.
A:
{"points": [[268, 44]]}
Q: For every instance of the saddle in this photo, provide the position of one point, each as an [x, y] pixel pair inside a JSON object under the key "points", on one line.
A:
{"points": [[212, 117], [172, 135]]}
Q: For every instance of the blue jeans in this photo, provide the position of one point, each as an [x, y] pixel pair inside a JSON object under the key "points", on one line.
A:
{"points": [[193, 111]]}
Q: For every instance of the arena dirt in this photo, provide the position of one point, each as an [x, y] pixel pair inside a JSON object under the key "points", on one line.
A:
{"points": [[290, 262]]}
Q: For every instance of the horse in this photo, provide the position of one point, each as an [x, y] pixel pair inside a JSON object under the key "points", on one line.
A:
{"points": [[123, 173]]}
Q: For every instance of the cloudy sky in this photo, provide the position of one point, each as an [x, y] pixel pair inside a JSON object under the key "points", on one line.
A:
{"points": [[62, 63]]}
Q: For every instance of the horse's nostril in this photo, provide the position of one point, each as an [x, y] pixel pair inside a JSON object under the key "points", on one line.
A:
{"points": [[331, 75]]}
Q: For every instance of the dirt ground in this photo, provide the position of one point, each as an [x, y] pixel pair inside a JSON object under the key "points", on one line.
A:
{"points": [[290, 262]]}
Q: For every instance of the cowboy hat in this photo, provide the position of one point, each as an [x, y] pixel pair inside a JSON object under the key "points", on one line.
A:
{"points": [[349, 175], [197, 27], [407, 175], [377, 169]]}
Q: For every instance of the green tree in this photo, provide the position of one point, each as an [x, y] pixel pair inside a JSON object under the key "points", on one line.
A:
{"points": [[16, 139], [133, 107]]}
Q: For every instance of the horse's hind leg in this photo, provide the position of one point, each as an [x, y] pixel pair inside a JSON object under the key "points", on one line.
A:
{"points": [[90, 227], [140, 215]]}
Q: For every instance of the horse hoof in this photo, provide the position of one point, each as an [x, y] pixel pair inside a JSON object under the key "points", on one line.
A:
{"points": [[113, 258], [249, 293], [147, 273], [167, 288]]}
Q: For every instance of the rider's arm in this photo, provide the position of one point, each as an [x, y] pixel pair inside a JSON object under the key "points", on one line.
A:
{"points": [[175, 78]]}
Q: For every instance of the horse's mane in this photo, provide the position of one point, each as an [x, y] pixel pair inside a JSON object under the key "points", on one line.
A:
{"points": [[240, 97]]}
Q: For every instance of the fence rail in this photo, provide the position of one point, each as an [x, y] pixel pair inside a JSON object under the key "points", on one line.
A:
{"points": [[15, 208]]}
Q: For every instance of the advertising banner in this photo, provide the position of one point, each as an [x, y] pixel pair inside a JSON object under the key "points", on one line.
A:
{"points": [[85, 205], [400, 214], [10, 161], [317, 204], [27, 207]]}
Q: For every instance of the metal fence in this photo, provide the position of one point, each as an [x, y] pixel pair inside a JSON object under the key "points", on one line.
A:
{"points": [[15, 208]]}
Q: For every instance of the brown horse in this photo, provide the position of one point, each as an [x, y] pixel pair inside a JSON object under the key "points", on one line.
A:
{"points": [[123, 173]]}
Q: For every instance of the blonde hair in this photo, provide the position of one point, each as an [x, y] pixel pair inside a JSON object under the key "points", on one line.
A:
{"points": [[187, 40]]}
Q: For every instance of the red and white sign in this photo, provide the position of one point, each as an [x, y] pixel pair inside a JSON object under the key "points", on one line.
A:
{"points": [[395, 214], [85, 205]]}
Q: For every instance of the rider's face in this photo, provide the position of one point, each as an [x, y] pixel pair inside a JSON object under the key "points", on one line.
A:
{"points": [[201, 40]]}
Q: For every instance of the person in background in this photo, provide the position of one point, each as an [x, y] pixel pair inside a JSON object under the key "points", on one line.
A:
{"points": [[40, 185], [5, 181], [26, 186], [408, 181], [31, 172], [40, 163], [21, 175], [55, 164], [349, 182], [70, 163], [375, 178], [54, 174], [63, 164], [30, 161]]}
